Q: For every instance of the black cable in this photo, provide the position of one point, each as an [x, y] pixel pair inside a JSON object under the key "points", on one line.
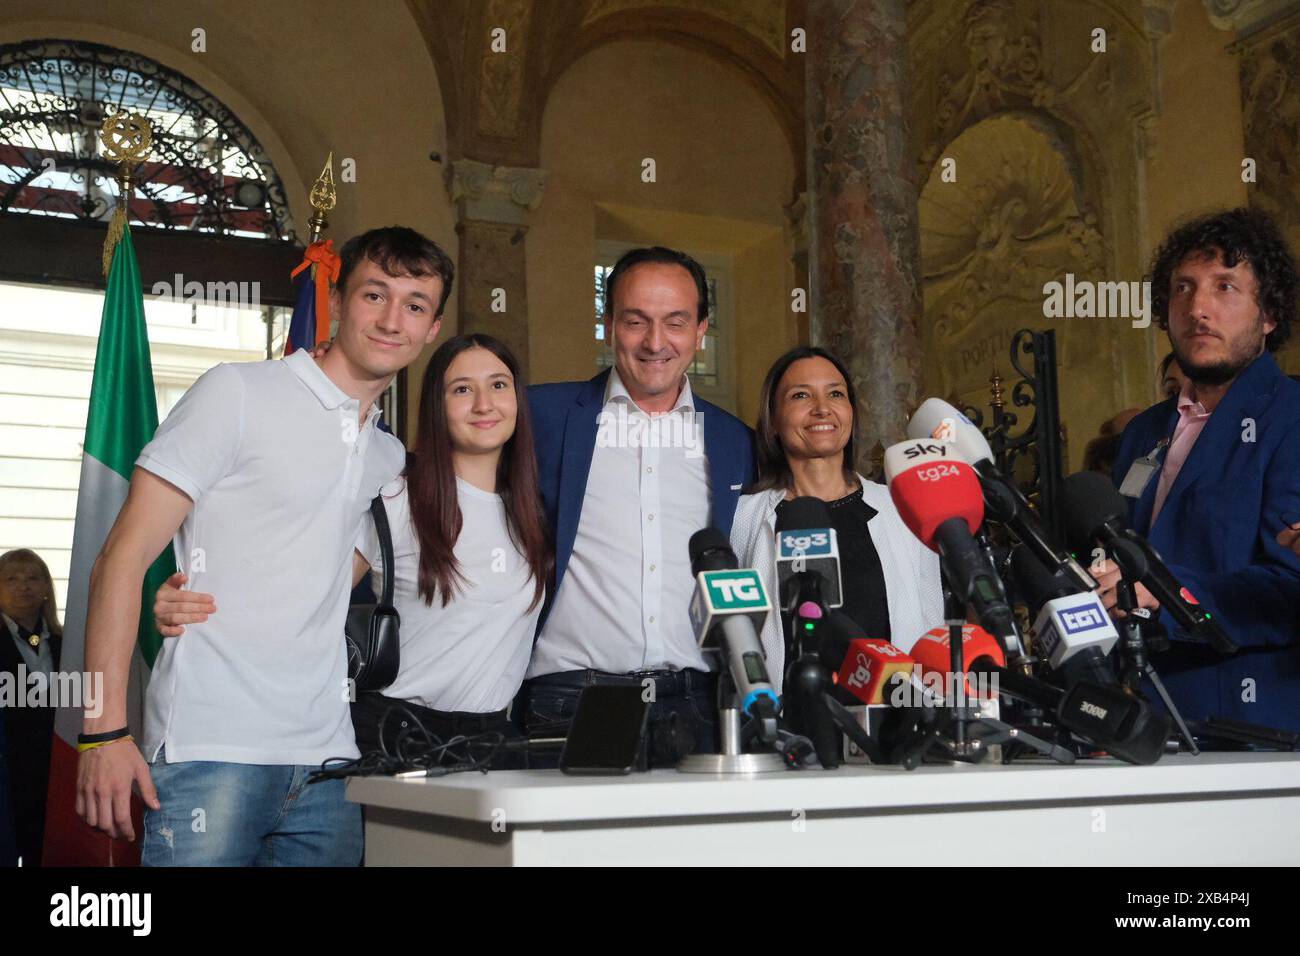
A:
{"points": [[415, 748]]}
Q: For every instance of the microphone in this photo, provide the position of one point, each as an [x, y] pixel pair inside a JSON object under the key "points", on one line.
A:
{"points": [[1106, 716], [938, 497], [806, 544], [933, 656], [1073, 632], [1003, 499], [870, 668], [729, 606], [1095, 511]]}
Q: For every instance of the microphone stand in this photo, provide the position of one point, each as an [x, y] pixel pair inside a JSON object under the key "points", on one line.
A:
{"points": [[732, 759], [1134, 649], [809, 707], [957, 730]]}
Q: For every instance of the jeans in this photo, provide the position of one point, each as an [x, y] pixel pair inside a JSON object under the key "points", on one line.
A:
{"points": [[236, 814], [683, 717]]}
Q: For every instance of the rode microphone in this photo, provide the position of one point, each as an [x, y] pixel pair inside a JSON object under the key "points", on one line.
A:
{"points": [[1095, 511], [1123, 725], [938, 497], [1072, 631], [1003, 500], [806, 545], [729, 607]]}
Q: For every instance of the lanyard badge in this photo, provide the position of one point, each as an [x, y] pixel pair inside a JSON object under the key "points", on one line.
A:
{"points": [[1140, 472]]}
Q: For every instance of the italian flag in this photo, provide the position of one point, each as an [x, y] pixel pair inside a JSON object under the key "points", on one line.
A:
{"points": [[122, 418]]}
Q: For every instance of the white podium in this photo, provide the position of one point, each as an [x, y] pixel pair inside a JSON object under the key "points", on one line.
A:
{"points": [[1216, 809]]}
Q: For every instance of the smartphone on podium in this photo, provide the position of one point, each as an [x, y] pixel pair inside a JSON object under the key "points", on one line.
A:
{"points": [[608, 732]]}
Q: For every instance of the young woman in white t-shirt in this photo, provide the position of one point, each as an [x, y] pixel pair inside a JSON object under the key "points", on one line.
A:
{"points": [[471, 553]]}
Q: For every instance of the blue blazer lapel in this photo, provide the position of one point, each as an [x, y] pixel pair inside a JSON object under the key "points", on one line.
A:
{"points": [[1244, 398], [580, 427], [719, 457]]}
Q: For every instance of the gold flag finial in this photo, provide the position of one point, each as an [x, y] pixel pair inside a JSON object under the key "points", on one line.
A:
{"points": [[322, 198], [127, 139], [995, 387]]}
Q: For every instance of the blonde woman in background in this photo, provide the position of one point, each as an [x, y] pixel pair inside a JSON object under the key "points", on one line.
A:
{"points": [[30, 645]]}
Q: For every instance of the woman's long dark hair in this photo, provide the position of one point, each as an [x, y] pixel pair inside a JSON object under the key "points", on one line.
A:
{"points": [[773, 465], [431, 480]]}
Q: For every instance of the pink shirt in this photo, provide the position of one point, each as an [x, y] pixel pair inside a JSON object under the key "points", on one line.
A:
{"points": [[1192, 417]]}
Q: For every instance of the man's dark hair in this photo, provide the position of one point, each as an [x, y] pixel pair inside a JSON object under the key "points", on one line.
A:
{"points": [[665, 256], [1237, 235], [399, 251]]}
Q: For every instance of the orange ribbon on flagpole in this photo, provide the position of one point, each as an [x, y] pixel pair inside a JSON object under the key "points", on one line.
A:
{"points": [[325, 265]]}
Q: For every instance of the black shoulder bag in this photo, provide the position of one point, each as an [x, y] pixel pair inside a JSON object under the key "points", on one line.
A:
{"points": [[371, 630]]}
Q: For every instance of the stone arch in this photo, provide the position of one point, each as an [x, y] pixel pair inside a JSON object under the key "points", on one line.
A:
{"points": [[1029, 68], [757, 63], [710, 197], [1014, 220]]}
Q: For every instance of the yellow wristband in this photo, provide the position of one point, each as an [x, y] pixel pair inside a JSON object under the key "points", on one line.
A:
{"points": [[82, 748]]}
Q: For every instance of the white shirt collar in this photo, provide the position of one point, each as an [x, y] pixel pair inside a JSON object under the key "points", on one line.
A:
{"points": [[615, 390], [321, 385], [43, 633]]}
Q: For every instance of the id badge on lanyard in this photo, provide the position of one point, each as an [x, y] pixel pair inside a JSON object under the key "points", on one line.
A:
{"points": [[1140, 472]]}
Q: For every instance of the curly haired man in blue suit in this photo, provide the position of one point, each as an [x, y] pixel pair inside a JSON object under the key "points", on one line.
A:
{"points": [[631, 464], [1226, 475]]}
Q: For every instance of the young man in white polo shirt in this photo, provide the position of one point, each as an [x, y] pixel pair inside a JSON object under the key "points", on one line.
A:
{"points": [[262, 473]]}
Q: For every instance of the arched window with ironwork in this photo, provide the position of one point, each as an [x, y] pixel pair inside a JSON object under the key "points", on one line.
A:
{"points": [[207, 171], [214, 240]]}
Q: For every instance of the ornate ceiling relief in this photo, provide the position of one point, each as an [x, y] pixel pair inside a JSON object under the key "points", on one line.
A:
{"points": [[763, 19], [1270, 94], [502, 80], [1003, 70], [1028, 134], [992, 239], [1245, 15]]}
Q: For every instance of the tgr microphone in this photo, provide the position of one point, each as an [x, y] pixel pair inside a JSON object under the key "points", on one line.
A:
{"points": [[730, 606], [806, 543], [1068, 623], [981, 652], [938, 497], [1095, 511], [1003, 499]]}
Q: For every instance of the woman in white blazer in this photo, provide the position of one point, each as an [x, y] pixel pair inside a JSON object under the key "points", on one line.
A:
{"points": [[805, 448]]}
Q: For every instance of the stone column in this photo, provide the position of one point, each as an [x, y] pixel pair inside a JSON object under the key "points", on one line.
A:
{"points": [[865, 238], [492, 206], [796, 238]]}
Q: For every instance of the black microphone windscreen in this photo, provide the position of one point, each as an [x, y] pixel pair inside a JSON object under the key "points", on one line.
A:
{"points": [[1088, 501], [999, 502], [804, 512], [1037, 584], [708, 540]]}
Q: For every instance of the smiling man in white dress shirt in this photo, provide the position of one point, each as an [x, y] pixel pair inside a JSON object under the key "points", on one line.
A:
{"points": [[632, 463]]}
